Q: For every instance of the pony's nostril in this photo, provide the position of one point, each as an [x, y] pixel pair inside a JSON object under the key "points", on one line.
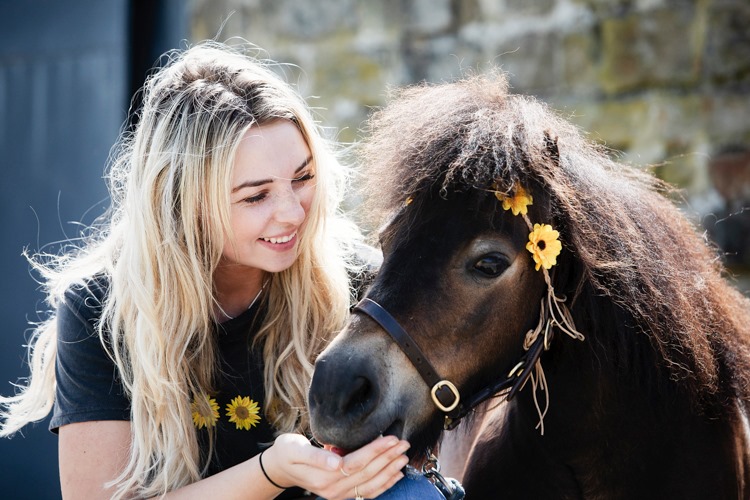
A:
{"points": [[360, 399]]}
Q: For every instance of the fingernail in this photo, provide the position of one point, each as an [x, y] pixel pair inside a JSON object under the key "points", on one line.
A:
{"points": [[391, 440], [333, 462]]}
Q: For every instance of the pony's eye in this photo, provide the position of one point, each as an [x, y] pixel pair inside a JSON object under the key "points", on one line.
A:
{"points": [[491, 265]]}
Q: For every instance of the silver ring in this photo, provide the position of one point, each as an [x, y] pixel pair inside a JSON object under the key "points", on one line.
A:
{"points": [[357, 496], [344, 472]]}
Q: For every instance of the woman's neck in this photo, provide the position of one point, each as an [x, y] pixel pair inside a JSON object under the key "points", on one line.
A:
{"points": [[236, 288]]}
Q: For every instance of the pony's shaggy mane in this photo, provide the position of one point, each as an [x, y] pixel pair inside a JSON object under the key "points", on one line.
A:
{"points": [[627, 241]]}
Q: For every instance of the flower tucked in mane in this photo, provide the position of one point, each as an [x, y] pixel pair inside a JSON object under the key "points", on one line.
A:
{"points": [[544, 245], [518, 203]]}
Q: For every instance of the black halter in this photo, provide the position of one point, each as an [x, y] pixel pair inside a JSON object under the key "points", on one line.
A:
{"points": [[444, 393]]}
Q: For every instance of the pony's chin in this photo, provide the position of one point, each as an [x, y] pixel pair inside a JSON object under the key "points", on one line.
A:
{"points": [[395, 429], [421, 438]]}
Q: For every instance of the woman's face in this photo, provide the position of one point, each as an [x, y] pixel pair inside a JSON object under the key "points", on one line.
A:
{"points": [[272, 189]]}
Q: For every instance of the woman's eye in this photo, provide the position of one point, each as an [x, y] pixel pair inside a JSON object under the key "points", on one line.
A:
{"points": [[254, 199], [304, 178], [491, 265]]}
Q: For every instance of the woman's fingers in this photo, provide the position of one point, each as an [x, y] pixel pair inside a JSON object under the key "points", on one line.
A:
{"points": [[322, 459], [383, 446], [393, 457], [372, 469], [371, 490], [305, 453], [383, 479]]}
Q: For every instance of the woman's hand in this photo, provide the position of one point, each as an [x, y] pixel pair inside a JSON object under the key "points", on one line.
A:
{"points": [[366, 472]]}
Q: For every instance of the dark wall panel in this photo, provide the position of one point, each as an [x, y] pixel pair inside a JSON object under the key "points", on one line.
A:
{"points": [[67, 72], [63, 97]]}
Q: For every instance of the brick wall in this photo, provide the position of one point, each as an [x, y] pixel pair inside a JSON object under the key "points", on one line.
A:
{"points": [[664, 83]]}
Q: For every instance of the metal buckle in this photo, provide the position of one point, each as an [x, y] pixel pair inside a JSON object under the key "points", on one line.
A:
{"points": [[449, 385]]}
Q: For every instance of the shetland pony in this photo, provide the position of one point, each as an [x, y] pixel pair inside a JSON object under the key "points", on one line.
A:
{"points": [[522, 263]]}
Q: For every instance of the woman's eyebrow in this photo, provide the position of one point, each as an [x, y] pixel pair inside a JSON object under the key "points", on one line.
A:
{"points": [[268, 181]]}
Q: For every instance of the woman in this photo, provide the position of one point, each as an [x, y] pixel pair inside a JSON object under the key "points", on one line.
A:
{"points": [[186, 327]]}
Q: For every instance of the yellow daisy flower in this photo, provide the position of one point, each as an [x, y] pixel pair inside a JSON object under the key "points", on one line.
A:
{"points": [[244, 412], [544, 245], [517, 203], [202, 419]]}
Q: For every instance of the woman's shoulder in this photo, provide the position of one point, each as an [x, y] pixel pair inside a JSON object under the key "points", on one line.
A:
{"points": [[83, 301], [88, 380], [88, 293]]}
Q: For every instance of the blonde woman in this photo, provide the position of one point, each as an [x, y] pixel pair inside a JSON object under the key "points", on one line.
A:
{"points": [[184, 330]]}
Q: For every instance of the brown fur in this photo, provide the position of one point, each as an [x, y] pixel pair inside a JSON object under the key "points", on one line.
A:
{"points": [[633, 245], [652, 404]]}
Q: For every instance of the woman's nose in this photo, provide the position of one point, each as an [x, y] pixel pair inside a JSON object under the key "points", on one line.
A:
{"points": [[289, 209]]}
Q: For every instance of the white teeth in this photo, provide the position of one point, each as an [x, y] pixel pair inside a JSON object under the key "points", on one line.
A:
{"points": [[283, 239]]}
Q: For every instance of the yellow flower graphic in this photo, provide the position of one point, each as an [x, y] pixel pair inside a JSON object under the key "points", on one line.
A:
{"points": [[243, 411], [544, 245], [202, 419], [518, 203]]}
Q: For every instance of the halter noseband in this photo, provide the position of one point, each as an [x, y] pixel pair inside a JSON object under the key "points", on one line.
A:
{"points": [[444, 393]]}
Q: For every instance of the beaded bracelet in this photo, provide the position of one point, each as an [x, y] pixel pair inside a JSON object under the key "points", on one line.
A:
{"points": [[260, 459]]}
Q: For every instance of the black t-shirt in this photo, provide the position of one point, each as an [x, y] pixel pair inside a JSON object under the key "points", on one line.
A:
{"points": [[89, 386]]}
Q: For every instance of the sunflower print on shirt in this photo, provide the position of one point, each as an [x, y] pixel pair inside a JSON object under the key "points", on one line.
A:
{"points": [[242, 411], [205, 414]]}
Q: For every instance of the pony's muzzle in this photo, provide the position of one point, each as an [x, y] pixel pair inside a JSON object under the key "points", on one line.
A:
{"points": [[342, 396]]}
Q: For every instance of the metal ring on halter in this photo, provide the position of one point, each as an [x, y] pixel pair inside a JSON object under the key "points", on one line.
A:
{"points": [[454, 391], [431, 469], [431, 463], [357, 496]]}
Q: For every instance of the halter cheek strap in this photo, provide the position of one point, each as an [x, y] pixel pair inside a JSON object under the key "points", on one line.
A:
{"points": [[444, 393]]}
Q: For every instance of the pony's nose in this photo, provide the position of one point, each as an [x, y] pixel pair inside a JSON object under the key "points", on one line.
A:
{"points": [[343, 391], [357, 398]]}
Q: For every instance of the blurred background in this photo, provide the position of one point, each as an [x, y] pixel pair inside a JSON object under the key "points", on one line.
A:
{"points": [[664, 83]]}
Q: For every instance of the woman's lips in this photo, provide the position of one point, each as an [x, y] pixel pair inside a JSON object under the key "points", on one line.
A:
{"points": [[280, 243]]}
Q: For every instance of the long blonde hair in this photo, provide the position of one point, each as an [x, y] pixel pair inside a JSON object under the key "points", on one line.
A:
{"points": [[162, 240]]}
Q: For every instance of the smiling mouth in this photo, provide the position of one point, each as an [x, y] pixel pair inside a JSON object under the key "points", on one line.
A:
{"points": [[281, 239]]}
